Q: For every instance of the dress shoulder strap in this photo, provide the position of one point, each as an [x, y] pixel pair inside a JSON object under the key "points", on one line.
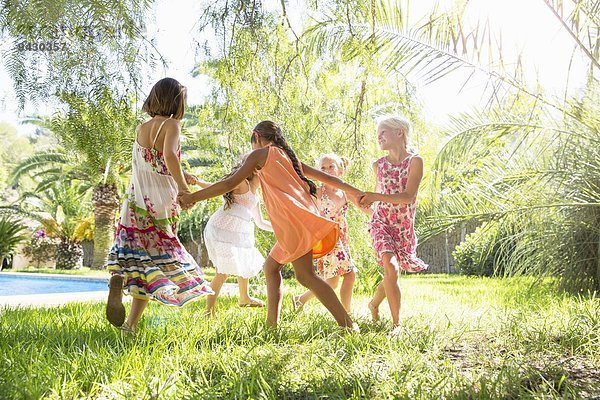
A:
{"points": [[249, 187], [158, 132]]}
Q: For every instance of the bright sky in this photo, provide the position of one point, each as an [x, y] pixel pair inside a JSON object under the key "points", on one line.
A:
{"points": [[527, 26]]}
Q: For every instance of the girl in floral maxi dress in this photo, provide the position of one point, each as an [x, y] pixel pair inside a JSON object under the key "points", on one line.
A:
{"points": [[333, 204], [147, 259], [392, 224]]}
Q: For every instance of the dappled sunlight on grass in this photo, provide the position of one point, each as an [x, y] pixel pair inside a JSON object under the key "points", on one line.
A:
{"points": [[461, 338]]}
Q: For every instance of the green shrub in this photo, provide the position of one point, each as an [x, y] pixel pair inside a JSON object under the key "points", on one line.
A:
{"points": [[41, 248], [481, 253], [12, 232]]}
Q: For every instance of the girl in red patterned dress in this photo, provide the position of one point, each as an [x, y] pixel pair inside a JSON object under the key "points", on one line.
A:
{"points": [[392, 224], [333, 204]]}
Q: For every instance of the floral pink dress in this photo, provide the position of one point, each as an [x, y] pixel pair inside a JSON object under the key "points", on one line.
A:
{"points": [[392, 225], [338, 261], [146, 251]]}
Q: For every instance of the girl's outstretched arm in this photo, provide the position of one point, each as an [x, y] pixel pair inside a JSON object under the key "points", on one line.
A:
{"points": [[321, 176], [194, 180], [259, 219], [369, 210], [255, 160], [412, 187], [356, 202]]}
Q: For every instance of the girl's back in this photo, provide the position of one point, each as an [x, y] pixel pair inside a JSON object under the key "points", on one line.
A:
{"points": [[148, 134], [292, 211]]}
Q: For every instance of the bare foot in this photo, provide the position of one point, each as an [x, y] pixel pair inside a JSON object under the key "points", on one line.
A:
{"points": [[354, 328], [374, 312], [297, 303], [209, 312], [252, 302], [396, 331], [115, 311], [127, 330]]}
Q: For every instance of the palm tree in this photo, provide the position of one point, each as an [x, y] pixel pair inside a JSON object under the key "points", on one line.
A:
{"points": [[100, 130], [60, 208], [96, 138], [526, 161]]}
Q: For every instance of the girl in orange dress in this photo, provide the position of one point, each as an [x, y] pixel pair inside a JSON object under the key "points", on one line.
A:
{"points": [[337, 265], [302, 233]]}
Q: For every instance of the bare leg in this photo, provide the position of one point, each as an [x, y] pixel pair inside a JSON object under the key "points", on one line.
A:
{"points": [[137, 308], [346, 289], [215, 285], [376, 301], [391, 268], [306, 296], [243, 286], [245, 299], [272, 270], [307, 278]]}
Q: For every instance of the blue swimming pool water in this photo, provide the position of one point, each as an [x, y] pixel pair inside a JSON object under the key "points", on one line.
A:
{"points": [[12, 285]]}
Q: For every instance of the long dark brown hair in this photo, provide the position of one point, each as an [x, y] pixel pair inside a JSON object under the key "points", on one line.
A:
{"points": [[270, 131]]}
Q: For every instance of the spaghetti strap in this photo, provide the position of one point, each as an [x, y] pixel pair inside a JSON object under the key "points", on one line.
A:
{"points": [[247, 191], [158, 132]]}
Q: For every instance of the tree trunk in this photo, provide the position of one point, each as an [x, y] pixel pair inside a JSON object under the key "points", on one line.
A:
{"points": [[106, 203], [88, 252]]}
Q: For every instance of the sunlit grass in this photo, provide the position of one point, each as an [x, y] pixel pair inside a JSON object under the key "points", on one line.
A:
{"points": [[462, 338]]}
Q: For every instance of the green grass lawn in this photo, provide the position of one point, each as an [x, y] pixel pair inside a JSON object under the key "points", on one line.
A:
{"points": [[462, 338]]}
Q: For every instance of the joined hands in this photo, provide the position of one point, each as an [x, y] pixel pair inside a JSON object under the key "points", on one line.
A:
{"points": [[184, 199], [367, 198]]}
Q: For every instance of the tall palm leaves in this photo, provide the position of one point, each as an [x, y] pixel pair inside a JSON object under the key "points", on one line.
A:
{"points": [[100, 132], [96, 136], [529, 162], [429, 49]]}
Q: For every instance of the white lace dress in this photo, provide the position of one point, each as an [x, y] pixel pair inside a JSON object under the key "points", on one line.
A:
{"points": [[229, 237]]}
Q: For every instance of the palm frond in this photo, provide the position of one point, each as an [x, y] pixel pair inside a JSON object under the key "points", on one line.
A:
{"points": [[39, 161]]}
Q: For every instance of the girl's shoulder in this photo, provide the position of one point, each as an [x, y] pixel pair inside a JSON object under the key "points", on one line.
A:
{"points": [[257, 159], [378, 162], [415, 158], [152, 126]]}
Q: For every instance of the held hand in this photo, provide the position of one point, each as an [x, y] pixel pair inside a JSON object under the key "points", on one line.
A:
{"points": [[355, 196], [367, 199], [184, 199], [191, 179]]}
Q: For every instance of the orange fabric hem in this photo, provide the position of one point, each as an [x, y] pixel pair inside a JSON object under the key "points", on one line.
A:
{"points": [[328, 239]]}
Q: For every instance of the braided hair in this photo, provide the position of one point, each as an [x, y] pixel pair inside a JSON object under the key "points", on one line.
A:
{"points": [[229, 195], [269, 130]]}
